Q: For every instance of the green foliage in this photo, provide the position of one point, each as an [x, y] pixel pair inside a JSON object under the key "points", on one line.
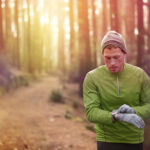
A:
{"points": [[90, 127], [77, 119], [21, 80], [2, 91], [56, 96], [75, 104], [68, 114]]}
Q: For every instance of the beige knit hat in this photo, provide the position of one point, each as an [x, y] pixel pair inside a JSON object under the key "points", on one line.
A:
{"points": [[115, 39]]}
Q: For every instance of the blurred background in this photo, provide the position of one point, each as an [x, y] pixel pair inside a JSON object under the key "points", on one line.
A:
{"points": [[50, 45], [42, 35]]}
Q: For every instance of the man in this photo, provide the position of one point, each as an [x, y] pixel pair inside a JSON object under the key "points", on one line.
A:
{"points": [[117, 98]]}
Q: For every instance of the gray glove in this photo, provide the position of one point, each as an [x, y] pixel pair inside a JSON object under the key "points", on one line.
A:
{"points": [[131, 119], [126, 109]]}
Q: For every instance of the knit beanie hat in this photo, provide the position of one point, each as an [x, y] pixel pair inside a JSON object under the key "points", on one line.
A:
{"points": [[115, 39]]}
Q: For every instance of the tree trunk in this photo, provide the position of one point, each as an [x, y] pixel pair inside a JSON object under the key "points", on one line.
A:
{"points": [[72, 36], [8, 23], [140, 38], [61, 55], [84, 41], [36, 48], [149, 28], [94, 34], [129, 21], [17, 56], [30, 69], [147, 61], [104, 18], [114, 21], [1, 28]]}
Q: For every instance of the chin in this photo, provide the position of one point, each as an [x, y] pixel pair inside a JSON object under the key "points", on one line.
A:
{"points": [[114, 71]]}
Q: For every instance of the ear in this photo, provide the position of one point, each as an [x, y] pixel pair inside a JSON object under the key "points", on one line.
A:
{"points": [[125, 57]]}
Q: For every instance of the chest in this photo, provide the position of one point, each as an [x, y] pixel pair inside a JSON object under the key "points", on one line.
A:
{"points": [[116, 91]]}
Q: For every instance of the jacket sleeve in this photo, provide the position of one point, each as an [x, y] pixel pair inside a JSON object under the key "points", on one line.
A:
{"points": [[144, 109], [92, 103]]}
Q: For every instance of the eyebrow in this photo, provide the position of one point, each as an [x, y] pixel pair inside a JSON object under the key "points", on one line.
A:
{"points": [[112, 56]]}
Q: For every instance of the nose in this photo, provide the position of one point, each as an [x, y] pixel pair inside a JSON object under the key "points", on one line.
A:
{"points": [[112, 62]]}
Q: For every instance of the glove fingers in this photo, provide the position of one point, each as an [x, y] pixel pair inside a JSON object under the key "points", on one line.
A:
{"points": [[140, 123], [122, 110], [132, 119], [126, 109], [137, 124]]}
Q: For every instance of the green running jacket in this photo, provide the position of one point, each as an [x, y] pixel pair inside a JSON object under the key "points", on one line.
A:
{"points": [[104, 91]]}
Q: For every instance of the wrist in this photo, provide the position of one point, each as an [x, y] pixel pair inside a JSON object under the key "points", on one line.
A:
{"points": [[114, 117]]}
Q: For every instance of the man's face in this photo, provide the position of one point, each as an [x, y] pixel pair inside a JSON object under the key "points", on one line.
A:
{"points": [[114, 59]]}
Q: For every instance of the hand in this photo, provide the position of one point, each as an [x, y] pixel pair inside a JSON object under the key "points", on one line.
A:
{"points": [[131, 119], [126, 109]]}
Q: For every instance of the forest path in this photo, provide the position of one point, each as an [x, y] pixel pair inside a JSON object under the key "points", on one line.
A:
{"points": [[28, 121]]}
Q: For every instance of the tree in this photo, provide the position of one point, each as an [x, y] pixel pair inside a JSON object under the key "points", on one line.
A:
{"points": [[72, 34], [129, 24], [30, 69], [1, 27], [114, 21], [140, 38], [149, 38], [94, 21], [84, 41], [146, 63], [149, 28], [36, 37], [17, 56], [8, 33], [61, 55], [104, 18]]}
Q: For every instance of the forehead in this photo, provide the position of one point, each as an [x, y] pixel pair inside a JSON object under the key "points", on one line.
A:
{"points": [[112, 51]]}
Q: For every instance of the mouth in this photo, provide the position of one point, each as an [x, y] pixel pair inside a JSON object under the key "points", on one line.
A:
{"points": [[113, 69]]}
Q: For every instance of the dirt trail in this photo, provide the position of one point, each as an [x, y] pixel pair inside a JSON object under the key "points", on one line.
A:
{"points": [[29, 122]]}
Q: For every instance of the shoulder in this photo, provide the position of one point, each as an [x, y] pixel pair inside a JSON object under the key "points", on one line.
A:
{"points": [[96, 73], [136, 72], [134, 69], [98, 70]]}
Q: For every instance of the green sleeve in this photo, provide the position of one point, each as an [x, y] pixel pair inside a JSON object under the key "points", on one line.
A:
{"points": [[92, 103], [144, 109]]}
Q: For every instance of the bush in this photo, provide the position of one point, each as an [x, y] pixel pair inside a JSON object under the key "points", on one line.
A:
{"points": [[90, 127], [56, 96], [75, 104], [2, 91]]}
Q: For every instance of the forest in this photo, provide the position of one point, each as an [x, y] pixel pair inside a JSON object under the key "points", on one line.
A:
{"points": [[63, 38], [41, 35]]}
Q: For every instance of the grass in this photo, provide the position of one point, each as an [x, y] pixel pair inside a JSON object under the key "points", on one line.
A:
{"points": [[57, 96], [90, 127], [75, 104]]}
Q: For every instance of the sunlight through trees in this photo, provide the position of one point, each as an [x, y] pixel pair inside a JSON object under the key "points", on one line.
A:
{"points": [[41, 35]]}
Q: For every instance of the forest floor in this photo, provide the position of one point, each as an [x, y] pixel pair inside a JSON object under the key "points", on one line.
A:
{"points": [[30, 121]]}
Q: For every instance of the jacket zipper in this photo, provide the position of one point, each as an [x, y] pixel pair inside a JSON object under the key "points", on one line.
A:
{"points": [[118, 84]]}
